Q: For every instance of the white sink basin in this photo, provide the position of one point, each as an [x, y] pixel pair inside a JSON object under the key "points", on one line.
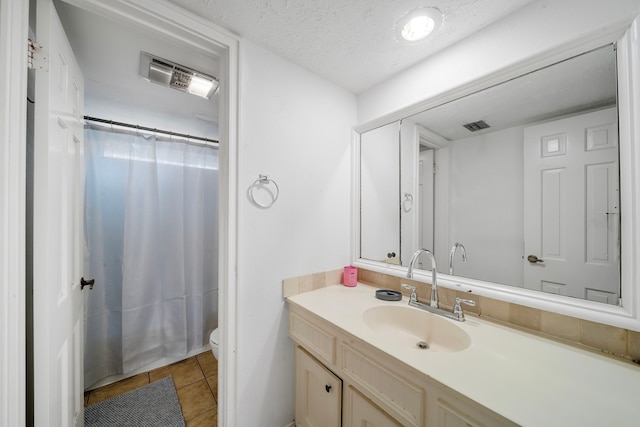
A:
{"points": [[413, 328]]}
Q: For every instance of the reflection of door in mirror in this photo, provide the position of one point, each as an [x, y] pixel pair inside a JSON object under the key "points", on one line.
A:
{"points": [[426, 184], [379, 194], [485, 192], [571, 207], [429, 180]]}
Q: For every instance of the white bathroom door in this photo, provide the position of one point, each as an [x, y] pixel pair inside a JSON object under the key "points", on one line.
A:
{"points": [[57, 227], [571, 207], [380, 193]]}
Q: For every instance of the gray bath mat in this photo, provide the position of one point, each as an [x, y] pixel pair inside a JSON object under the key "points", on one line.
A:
{"points": [[154, 404]]}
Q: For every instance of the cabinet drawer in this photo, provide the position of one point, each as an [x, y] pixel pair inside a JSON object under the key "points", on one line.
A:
{"points": [[394, 393], [318, 341]]}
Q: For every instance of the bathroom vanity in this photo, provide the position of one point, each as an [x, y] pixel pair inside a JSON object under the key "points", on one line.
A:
{"points": [[363, 360]]}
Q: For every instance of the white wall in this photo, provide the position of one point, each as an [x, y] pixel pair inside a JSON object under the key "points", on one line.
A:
{"points": [[532, 31], [296, 128], [487, 205]]}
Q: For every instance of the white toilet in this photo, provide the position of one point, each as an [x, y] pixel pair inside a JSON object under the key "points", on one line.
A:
{"points": [[214, 339]]}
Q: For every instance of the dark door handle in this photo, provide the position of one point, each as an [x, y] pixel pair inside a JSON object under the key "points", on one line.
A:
{"points": [[328, 388], [533, 259], [88, 283]]}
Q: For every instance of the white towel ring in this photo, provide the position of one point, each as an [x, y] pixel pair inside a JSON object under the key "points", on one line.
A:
{"points": [[407, 204], [262, 182]]}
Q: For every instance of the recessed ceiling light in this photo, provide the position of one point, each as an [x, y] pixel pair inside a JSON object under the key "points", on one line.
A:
{"points": [[418, 24]]}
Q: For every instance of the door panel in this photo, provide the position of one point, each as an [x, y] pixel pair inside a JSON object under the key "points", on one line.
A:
{"points": [[571, 207], [553, 182], [58, 228]]}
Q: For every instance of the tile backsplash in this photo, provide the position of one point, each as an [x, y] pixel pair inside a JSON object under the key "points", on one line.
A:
{"points": [[583, 333]]}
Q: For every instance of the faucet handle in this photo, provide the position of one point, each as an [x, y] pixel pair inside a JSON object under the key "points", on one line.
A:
{"points": [[413, 297], [457, 309]]}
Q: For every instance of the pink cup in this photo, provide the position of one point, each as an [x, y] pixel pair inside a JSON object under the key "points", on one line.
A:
{"points": [[350, 276]]}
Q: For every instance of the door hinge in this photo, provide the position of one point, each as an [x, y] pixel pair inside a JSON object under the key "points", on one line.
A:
{"points": [[36, 58]]}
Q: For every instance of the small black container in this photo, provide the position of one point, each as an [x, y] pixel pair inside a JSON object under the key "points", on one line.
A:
{"points": [[388, 295]]}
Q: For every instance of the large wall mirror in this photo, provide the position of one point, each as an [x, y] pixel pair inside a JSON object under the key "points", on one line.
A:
{"points": [[521, 178]]}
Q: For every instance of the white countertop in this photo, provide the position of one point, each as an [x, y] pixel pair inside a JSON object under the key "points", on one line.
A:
{"points": [[528, 379]]}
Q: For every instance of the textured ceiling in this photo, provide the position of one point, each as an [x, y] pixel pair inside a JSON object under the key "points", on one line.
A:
{"points": [[349, 42]]}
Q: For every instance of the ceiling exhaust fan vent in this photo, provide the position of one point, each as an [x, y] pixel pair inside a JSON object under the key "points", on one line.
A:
{"points": [[167, 73], [476, 126]]}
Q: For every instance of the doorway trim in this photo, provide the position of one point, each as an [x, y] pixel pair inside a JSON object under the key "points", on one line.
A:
{"points": [[14, 30], [160, 18], [442, 160]]}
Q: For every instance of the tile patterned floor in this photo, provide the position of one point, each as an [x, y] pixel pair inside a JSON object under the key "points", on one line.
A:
{"points": [[196, 380]]}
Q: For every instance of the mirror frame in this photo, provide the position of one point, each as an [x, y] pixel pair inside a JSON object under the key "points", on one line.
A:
{"points": [[626, 315]]}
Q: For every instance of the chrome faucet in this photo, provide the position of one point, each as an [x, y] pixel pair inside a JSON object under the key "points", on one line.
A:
{"points": [[457, 309], [433, 306], [452, 255], [434, 282]]}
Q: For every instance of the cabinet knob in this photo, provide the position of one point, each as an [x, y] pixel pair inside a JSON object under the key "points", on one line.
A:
{"points": [[328, 388]]}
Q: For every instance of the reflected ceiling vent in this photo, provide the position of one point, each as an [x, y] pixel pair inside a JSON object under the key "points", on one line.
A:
{"points": [[170, 74], [476, 126]]}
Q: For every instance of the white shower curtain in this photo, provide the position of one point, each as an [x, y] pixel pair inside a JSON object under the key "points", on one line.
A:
{"points": [[151, 215]]}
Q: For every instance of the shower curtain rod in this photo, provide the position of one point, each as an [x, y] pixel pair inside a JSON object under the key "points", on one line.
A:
{"points": [[148, 129]]}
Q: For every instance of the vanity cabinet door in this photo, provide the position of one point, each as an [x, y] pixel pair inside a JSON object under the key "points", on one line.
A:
{"points": [[449, 416], [318, 393], [451, 409], [360, 411]]}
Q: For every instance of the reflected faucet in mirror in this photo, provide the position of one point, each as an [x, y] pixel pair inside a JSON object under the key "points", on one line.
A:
{"points": [[452, 255], [434, 283]]}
